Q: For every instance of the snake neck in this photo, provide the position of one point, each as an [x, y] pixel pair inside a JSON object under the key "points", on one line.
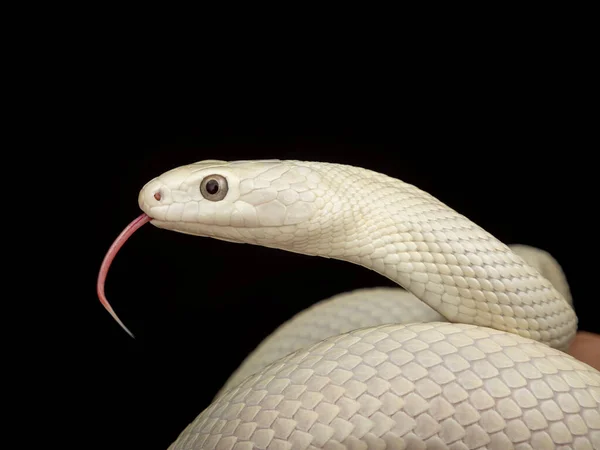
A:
{"points": [[443, 258]]}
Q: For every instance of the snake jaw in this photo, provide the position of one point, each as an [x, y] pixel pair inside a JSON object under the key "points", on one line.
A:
{"points": [[108, 259]]}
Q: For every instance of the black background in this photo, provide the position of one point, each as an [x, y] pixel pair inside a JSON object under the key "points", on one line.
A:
{"points": [[505, 144]]}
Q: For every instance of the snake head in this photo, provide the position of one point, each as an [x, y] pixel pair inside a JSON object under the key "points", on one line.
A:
{"points": [[273, 203], [241, 201], [266, 202]]}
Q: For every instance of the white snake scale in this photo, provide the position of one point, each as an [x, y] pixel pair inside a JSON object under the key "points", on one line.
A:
{"points": [[489, 373]]}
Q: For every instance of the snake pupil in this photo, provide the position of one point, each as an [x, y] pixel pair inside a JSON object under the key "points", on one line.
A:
{"points": [[212, 187]]}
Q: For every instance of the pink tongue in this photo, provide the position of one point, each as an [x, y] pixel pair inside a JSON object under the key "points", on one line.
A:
{"points": [[108, 259]]}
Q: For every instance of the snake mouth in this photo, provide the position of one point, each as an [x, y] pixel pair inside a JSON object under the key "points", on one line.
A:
{"points": [[108, 259]]}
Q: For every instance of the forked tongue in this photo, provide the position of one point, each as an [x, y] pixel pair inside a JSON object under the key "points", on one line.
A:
{"points": [[108, 259]]}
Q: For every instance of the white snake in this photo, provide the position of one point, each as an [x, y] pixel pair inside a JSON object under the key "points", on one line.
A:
{"points": [[378, 368]]}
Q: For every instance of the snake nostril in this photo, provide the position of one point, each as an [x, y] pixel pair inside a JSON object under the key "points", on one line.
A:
{"points": [[157, 196]]}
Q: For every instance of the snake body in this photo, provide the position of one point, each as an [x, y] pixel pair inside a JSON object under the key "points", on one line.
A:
{"points": [[480, 366]]}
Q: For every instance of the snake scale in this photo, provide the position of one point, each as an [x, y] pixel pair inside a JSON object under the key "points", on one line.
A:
{"points": [[470, 355]]}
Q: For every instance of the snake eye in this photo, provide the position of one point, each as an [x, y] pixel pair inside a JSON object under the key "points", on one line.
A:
{"points": [[214, 188]]}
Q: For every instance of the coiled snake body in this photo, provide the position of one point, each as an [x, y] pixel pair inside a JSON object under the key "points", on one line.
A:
{"points": [[470, 356]]}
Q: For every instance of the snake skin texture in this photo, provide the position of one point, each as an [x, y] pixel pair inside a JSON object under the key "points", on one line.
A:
{"points": [[364, 308], [344, 312], [417, 386], [493, 378], [546, 265]]}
